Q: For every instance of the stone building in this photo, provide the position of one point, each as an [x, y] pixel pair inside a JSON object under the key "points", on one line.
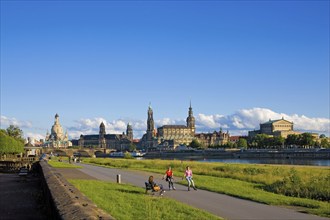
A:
{"points": [[280, 127], [111, 141], [172, 136], [168, 136], [57, 138], [178, 134], [213, 139]]}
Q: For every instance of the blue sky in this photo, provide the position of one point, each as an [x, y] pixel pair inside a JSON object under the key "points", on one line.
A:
{"points": [[239, 63]]}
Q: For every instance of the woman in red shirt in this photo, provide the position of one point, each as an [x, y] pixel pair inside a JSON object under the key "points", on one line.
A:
{"points": [[169, 178]]}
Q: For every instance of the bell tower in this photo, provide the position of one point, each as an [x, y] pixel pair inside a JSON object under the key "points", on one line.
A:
{"points": [[129, 132], [191, 120], [102, 142], [150, 124]]}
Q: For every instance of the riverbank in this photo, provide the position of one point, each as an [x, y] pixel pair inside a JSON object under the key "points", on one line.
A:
{"points": [[244, 154]]}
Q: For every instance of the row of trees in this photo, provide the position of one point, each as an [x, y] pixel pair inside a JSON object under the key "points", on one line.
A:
{"points": [[302, 140], [242, 143], [11, 140], [266, 141]]}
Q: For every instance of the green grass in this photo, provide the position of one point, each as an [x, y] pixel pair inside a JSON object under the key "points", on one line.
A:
{"points": [[57, 164], [269, 184], [254, 192], [131, 202]]}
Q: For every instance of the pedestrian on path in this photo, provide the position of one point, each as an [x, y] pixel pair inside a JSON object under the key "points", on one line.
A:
{"points": [[189, 177], [169, 178]]}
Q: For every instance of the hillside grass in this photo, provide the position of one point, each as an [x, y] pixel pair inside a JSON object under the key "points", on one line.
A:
{"points": [[125, 201], [305, 187]]}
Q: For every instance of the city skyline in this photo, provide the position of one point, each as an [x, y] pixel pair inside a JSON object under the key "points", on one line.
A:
{"points": [[240, 63], [238, 123]]}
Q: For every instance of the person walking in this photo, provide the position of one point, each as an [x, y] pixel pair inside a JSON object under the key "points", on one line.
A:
{"points": [[169, 178], [189, 177]]}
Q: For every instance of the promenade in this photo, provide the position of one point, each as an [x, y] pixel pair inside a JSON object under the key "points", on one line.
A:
{"points": [[221, 205], [21, 198]]}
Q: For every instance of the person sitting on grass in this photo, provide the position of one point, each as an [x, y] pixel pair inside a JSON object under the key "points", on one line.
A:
{"points": [[151, 185]]}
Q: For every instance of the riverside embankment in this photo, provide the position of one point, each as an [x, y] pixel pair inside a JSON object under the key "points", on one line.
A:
{"points": [[44, 194], [237, 154]]}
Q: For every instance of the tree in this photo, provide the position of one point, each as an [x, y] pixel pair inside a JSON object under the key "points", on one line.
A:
{"points": [[292, 139], [325, 143], [307, 139], [242, 143], [322, 136], [15, 132], [195, 144], [278, 141], [229, 145], [261, 140], [132, 147], [9, 145]]}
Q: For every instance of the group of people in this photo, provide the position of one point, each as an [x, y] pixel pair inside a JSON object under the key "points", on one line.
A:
{"points": [[188, 175]]}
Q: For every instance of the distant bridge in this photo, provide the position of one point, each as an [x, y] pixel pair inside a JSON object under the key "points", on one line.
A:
{"points": [[83, 152]]}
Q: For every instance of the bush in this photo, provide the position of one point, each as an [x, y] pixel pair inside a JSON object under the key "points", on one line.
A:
{"points": [[127, 155], [9, 145]]}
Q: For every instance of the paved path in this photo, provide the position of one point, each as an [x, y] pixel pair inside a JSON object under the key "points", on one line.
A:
{"points": [[221, 205], [21, 198]]}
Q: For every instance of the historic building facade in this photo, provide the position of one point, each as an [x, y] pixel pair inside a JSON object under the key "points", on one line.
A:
{"points": [[57, 138], [213, 139], [111, 141], [280, 127], [171, 136], [177, 134]]}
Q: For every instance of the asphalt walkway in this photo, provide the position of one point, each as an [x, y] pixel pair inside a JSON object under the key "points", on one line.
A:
{"points": [[21, 198], [221, 205]]}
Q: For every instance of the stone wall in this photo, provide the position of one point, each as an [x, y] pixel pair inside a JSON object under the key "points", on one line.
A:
{"points": [[64, 201]]}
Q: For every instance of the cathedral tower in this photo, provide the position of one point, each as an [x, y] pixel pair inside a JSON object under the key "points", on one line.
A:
{"points": [[150, 124], [102, 142], [191, 120], [102, 130], [129, 132]]}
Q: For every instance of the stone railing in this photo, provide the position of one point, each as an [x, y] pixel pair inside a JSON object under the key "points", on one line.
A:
{"points": [[63, 200], [12, 165]]}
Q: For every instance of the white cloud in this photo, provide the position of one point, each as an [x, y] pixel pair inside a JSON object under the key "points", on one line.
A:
{"points": [[249, 119], [35, 136], [6, 122], [210, 121], [92, 126], [238, 123]]}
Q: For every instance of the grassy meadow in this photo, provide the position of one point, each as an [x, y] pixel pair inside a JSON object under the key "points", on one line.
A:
{"points": [[303, 187], [130, 202], [57, 164]]}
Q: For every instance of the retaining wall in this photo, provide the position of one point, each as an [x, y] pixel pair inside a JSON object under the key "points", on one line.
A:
{"points": [[63, 200]]}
